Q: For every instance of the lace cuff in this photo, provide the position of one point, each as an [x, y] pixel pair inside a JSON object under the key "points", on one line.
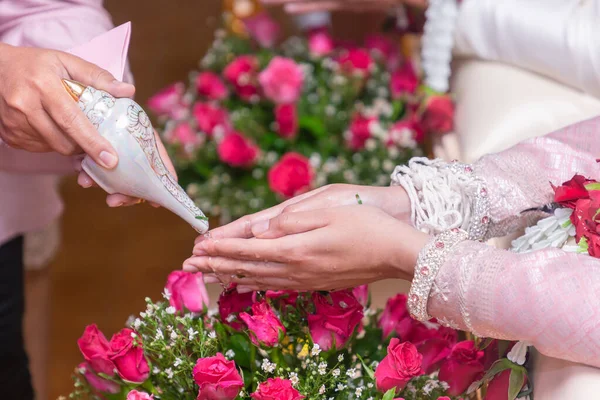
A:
{"points": [[445, 196]]}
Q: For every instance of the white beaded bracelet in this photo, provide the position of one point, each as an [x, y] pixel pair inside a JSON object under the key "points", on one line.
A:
{"points": [[429, 262]]}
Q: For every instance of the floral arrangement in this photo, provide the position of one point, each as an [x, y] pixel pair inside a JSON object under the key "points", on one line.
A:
{"points": [[259, 123], [285, 345]]}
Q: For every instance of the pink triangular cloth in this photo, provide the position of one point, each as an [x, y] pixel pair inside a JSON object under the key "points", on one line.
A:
{"points": [[108, 51]]}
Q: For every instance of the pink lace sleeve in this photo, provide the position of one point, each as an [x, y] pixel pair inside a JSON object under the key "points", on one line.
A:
{"points": [[518, 178], [548, 298]]}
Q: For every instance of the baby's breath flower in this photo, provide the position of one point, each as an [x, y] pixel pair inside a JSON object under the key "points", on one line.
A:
{"points": [[169, 373], [316, 350], [166, 294], [336, 372], [171, 310]]}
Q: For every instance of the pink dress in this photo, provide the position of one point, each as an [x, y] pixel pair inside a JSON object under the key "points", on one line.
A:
{"points": [[29, 199], [549, 298]]}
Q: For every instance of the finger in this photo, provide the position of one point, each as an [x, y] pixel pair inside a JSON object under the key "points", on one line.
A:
{"points": [[45, 126], [233, 269], [312, 6], [290, 224], [242, 228], [266, 283], [69, 118], [84, 180], [121, 200], [267, 250], [91, 75]]}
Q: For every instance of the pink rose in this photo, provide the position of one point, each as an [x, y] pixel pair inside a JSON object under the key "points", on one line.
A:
{"points": [[95, 349], [286, 117], [286, 297], [404, 81], [169, 101], [187, 291], [282, 80], [135, 395], [218, 378], [237, 150], [498, 387], [362, 294], [184, 135], [395, 317], [211, 86], [399, 366], [356, 61], [210, 118], [276, 389], [231, 303], [128, 355], [360, 131], [444, 398], [291, 175], [463, 367], [384, 48], [406, 132], [262, 28], [439, 114], [242, 74], [336, 317], [265, 328], [96, 382], [320, 42]]}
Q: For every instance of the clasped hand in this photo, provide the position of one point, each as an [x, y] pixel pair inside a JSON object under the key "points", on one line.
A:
{"points": [[317, 241]]}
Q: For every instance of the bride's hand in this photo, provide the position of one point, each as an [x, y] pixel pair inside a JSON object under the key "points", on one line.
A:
{"points": [[324, 249], [117, 199], [392, 200], [307, 6]]}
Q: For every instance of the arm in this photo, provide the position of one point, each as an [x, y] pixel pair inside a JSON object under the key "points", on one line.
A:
{"points": [[517, 179], [548, 298]]}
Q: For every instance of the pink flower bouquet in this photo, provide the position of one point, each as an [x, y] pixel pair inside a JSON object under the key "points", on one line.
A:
{"points": [[262, 122], [286, 345]]}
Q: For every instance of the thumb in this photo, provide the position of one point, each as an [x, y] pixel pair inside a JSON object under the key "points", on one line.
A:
{"points": [[92, 75], [289, 224]]}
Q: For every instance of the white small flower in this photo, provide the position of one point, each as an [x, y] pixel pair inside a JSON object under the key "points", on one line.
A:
{"points": [[177, 362], [230, 354], [137, 323], [133, 335], [171, 310], [388, 166], [155, 371], [212, 335], [359, 391], [351, 373], [169, 373], [166, 294], [336, 372], [174, 336], [340, 387], [370, 385], [143, 314], [518, 354], [322, 368], [294, 378], [322, 389], [341, 358], [316, 350], [159, 335]]}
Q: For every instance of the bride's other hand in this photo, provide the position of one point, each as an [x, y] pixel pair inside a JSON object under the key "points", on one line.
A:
{"points": [[324, 249], [307, 6], [117, 199], [392, 200]]}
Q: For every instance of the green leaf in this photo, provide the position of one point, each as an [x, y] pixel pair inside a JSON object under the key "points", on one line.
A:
{"points": [[497, 367], [202, 218], [516, 381], [240, 345], [313, 124], [368, 370], [593, 186], [485, 343], [389, 395]]}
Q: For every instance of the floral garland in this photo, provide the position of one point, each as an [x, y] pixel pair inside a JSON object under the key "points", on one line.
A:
{"points": [[260, 123]]}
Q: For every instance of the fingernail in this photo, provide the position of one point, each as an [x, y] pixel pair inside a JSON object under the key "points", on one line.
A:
{"points": [[109, 160], [189, 268], [77, 165], [199, 252], [260, 227], [243, 289], [85, 181], [211, 279]]}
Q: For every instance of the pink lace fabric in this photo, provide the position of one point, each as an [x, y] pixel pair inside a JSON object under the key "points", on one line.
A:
{"points": [[550, 297]]}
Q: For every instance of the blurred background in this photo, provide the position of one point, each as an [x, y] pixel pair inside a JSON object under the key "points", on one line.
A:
{"points": [[111, 259]]}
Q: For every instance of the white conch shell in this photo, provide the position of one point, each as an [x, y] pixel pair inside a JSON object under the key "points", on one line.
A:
{"points": [[140, 172]]}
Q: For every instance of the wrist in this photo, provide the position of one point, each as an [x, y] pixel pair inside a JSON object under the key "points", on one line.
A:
{"points": [[407, 244]]}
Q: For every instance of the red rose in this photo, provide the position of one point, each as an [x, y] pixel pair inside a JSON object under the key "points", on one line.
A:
{"points": [[498, 387], [169, 101], [356, 61], [404, 81], [128, 355], [406, 133], [395, 317], [336, 317], [237, 151], [362, 294], [439, 114], [572, 190], [95, 349], [231, 303], [217, 378], [276, 389], [96, 382], [436, 348], [291, 175], [286, 117], [264, 326], [400, 365], [210, 118], [360, 131], [211, 86], [242, 73], [463, 367], [187, 291], [285, 296], [384, 48]]}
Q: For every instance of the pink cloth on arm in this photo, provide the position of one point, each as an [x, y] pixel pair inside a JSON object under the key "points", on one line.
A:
{"points": [[549, 297], [29, 199]]}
